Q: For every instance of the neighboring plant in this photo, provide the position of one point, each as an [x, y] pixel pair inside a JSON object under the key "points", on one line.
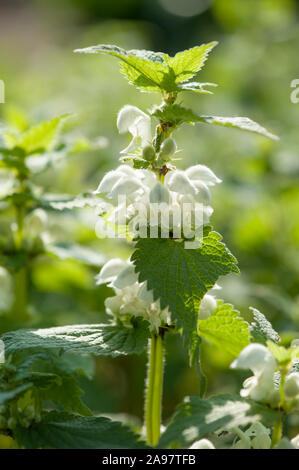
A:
{"points": [[163, 289], [24, 155]]}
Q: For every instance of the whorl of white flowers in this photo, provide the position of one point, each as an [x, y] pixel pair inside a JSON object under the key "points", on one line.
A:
{"points": [[134, 194], [260, 361]]}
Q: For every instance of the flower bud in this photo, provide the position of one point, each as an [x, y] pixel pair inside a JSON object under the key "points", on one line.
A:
{"points": [[148, 153], [168, 147]]}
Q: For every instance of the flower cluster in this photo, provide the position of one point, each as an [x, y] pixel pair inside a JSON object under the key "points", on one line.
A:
{"points": [[262, 386], [134, 299], [137, 198]]}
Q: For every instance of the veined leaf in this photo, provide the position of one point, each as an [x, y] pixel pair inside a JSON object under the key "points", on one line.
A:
{"points": [[177, 114], [187, 63], [61, 430], [180, 277], [101, 340], [40, 137], [144, 69], [195, 418], [154, 71], [243, 123], [77, 252], [226, 329], [261, 329]]}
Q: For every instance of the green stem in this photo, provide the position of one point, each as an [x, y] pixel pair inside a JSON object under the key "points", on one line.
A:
{"points": [[154, 390], [277, 432], [19, 307]]}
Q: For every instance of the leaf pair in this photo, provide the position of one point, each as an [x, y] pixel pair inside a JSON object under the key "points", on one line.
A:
{"points": [[155, 71]]}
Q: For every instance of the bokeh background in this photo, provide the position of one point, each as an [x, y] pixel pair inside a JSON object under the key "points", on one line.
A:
{"points": [[256, 206]]}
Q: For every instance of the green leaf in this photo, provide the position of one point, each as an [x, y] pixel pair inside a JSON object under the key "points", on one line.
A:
{"points": [[226, 329], [242, 123], [180, 277], [55, 376], [177, 114], [144, 69], [77, 252], [67, 394], [101, 340], [8, 395], [195, 418], [187, 63], [40, 137], [62, 202], [154, 71], [61, 430], [261, 329]]}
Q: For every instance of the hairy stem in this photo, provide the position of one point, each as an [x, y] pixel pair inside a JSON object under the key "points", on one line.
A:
{"points": [[153, 403]]}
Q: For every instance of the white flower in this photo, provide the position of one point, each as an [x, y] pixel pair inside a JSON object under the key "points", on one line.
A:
{"points": [[260, 361], [110, 270], [291, 385], [132, 119], [202, 173], [257, 436], [202, 444], [295, 441], [131, 297], [138, 200], [207, 306]]}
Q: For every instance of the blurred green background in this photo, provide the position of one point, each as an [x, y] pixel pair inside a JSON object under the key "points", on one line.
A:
{"points": [[256, 206]]}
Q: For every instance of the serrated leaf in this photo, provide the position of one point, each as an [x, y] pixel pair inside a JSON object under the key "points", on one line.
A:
{"points": [[40, 137], [67, 394], [177, 114], [261, 329], [101, 340], [187, 63], [226, 329], [79, 253], [8, 395], [154, 71], [180, 277], [61, 430], [144, 69], [195, 418]]}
